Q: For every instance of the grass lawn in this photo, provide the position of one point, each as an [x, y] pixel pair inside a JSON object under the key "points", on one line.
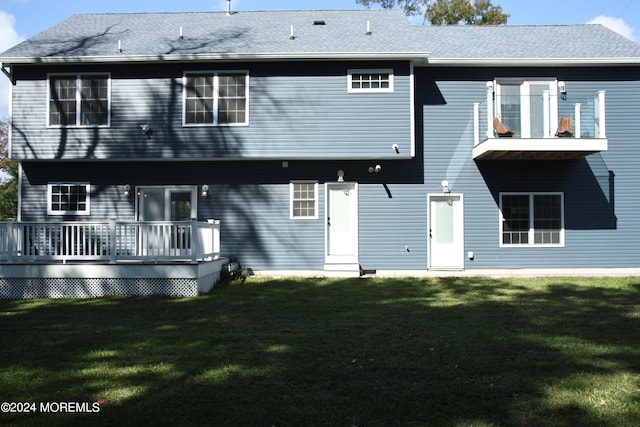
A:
{"points": [[320, 352]]}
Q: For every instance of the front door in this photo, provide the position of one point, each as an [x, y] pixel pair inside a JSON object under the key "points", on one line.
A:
{"points": [[446, 235], [342, 223]]}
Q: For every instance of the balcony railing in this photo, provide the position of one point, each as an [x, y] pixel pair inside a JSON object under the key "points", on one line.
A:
{"points": [[109, 241], [560, 128]]}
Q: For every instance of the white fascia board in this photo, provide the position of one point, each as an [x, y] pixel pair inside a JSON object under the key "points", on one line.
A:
{"points": [[534, 62], [305, 56]]}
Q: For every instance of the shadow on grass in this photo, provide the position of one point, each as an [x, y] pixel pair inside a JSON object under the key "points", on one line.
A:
{"points": [[359, 352]]}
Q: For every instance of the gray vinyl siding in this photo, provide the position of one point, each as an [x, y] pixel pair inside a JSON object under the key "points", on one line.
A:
{"points": [[251, 197], [296, 111]]}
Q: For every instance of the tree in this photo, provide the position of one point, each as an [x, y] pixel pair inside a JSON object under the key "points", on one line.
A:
{"points": [[447, 12], [9, 183]]}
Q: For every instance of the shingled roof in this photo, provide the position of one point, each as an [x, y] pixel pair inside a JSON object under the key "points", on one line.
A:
{"points": [[317, 34], [147, 36]]}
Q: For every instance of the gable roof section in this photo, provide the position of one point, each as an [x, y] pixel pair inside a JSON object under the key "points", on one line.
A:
{"points": [[216, 35], [527, 45]]}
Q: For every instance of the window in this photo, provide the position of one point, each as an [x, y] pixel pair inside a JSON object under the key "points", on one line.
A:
{"points": [[370, 81], [527, 107], [79, 100], [68, 199], [532, 219], [304, 200], [216, 98]]}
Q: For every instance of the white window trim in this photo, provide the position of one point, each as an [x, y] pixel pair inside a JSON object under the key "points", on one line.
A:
{"points": [[78, 100], [389, 71], [531, 243], [291, 200], [216, 97], [85, 212]]}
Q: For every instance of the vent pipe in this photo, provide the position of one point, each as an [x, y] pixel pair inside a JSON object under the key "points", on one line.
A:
{"points": [[228, 7]]}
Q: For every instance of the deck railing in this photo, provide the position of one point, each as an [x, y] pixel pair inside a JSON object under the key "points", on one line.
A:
{"points": [[110, 241]]}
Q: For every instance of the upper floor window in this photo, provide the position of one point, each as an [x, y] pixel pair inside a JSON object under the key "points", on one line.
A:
{"points": [[216, 98], [79, 100], [68, 198], [529, 107], [304, 200], [532, 219], [370, 80]]}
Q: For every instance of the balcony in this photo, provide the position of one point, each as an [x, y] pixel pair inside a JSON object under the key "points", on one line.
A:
{"points": [[109, 241], [544, 128]]}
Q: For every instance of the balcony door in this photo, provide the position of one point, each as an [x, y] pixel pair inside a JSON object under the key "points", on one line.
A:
{"points": [[528, 107]]}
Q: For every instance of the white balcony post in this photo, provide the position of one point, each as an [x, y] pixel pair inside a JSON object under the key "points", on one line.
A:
{"points": [[10, 224], [546, 106], [195, 241], [489, 109], [577, 113], [601, 115], [476, 123]]}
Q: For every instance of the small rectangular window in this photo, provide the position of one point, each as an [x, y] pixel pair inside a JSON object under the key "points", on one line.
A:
{"points": [[68, 199], [79, 100], [529, 219], [216, 98], [304, 200], [370, 80]]}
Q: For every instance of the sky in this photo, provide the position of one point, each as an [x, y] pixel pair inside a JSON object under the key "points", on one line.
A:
{"points": [[21, 19]]}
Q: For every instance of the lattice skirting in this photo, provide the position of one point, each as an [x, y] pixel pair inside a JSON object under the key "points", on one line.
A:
{"points": [[26, 288]]}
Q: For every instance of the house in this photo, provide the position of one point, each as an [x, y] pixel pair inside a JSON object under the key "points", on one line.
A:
{"points": [[306, 142]]}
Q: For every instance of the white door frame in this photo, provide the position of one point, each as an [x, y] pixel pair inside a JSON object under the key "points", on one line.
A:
{"points": [[457, 260], [351, 258], [193, 189]]}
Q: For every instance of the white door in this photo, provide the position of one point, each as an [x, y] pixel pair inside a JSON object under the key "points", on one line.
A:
{"points": [[342, 223], [446, 234]]}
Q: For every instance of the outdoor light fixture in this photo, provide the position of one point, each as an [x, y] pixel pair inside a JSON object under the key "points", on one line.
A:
{"points": [[146, 129], [376, 169], [562, 87], [340, 175], [205, 190], [126, 190], [445, 186]]}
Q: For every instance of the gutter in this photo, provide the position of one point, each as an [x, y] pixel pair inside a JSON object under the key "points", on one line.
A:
{"points": [[275, 56], [532, 62]]}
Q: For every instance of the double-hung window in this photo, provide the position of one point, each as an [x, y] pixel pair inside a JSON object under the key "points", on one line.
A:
{"points": [[216, 98], [68, 198], [527, 107], [79, 100], [532, 219], [304, 200], [370, 80]]}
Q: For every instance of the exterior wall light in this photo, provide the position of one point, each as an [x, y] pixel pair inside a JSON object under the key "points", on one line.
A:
{"points": [[205, 190], [340, 175], [126, 190], [445, 186]]}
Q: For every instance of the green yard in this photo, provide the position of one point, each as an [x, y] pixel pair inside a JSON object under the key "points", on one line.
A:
{"points": [[320, 352]]}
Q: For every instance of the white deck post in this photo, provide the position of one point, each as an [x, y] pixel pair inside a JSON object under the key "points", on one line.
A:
{"points": [[10, 225], [601, 115], [195, 240], [112, 241], [215, 228], [577, 113], [489, 109]]}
